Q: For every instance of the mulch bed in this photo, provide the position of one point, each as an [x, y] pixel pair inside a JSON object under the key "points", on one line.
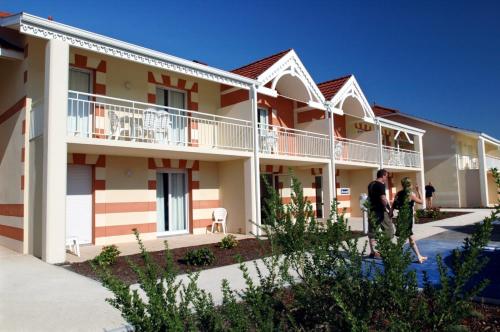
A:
{"points": [[490, 320], [444, 215], [247, 249]]}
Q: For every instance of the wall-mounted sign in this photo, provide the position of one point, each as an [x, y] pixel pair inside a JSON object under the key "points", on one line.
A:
{"points": [[345, 191]]}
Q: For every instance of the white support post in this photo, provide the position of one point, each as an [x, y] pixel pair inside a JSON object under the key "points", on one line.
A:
{"points": [[483, 172], [54, 152], [421, 173], [332, 187], [379, 143], [250, 197], [256, 150]]}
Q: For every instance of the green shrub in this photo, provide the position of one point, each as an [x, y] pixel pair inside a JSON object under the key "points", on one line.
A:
{"points": [[228, 242], [433, 213], [107, 256], [199, 257], [315, 279]]}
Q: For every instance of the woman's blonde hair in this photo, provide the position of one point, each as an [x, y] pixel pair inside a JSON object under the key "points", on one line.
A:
{"points": [[406, 182]]}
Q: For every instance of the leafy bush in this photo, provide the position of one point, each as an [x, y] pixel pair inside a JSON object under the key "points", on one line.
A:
{"points": [[107, 256], [432, 213], [228, 242], [199, 257], [315, 279]]}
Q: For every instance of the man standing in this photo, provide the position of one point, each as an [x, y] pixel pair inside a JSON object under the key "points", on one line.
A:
{"points": [[379, 211], [429, 192]]}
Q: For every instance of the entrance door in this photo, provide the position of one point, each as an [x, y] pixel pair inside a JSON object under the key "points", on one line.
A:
{"points": [[79, 203], [79, 114], [318, 181], [176, 101], [172, 202]]}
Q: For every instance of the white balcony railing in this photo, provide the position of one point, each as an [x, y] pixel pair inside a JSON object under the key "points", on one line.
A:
{"points": [[492, 162], [287, 141], [356, 151], [400, 157], [467, 162], [97, 116]]}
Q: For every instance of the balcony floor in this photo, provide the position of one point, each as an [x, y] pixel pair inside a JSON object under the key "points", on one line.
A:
{"points": [[150, 150]]}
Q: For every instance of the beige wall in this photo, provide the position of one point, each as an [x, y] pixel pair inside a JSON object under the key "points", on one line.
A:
{"points": [[12, 142], [469, 188], [232, 194], [443, 174], [360, 135], [120, 72], [241, 110], [493, 195], [357, 181]]}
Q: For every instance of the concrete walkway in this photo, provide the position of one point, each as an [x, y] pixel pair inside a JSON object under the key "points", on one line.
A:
{"points": [[35, 296]]}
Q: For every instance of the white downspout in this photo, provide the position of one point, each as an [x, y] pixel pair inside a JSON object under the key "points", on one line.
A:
{"points": [[379, 143], [331, 124], [256, 149]]}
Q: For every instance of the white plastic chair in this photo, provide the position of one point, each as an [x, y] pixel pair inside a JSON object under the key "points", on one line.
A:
{"points": [[149, 121], [74, 245], [162, 124], [220, 216], [116, 125]]}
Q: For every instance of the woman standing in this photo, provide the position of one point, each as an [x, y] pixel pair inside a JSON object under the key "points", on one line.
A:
{"points": [[407, 195]]}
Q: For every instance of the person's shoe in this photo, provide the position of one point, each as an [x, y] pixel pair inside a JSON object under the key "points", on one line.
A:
{"points": [[422, 259]]}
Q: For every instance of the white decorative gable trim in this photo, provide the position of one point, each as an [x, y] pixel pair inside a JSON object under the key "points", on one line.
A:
{"points": [[290, 64], [351, 89], [41, 28]]}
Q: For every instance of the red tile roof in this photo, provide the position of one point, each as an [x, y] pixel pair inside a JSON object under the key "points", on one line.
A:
{"points": [[5, 14], [383, 111], [254, 69], [330, 88]]}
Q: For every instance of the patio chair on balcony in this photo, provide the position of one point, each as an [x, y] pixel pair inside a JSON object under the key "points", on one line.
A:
{"points": [[116, 125], [269, 140], [220, 216], [149, 123], [162, 124]]}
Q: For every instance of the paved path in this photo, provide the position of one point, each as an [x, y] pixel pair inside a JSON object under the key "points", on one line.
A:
{"points": [[35, 296]]}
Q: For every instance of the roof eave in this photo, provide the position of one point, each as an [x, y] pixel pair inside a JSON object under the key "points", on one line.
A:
{"points": [[39, 27]]}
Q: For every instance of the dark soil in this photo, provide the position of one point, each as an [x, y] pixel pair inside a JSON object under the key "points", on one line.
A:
{"points": [[444, 215], [247, 249], [490, 320]]}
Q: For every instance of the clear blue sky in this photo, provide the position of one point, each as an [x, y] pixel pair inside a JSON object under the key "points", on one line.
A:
{"points": [[435, 59]]}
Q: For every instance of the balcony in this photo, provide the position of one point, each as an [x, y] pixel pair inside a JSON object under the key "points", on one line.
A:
{"points": [[400, 157], [107, 118], [355, 151], [467, 162], [277, 140], [492, 162]]}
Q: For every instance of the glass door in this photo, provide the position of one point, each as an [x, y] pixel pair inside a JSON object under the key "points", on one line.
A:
{"points": [[172, 202], [79, 122], [175, 101]]}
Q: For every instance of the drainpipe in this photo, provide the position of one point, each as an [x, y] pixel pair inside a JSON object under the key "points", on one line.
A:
{"points": [[483, 172], [379, 143], [329, 113], [256, 149]]}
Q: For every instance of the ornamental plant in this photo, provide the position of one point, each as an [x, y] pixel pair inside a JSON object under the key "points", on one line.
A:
{"points": [[199, 257], [228, 242]]}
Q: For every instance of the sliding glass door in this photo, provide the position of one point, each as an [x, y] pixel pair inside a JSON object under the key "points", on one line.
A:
{"points": [[178, 121], [79, 115], [172, 202]]}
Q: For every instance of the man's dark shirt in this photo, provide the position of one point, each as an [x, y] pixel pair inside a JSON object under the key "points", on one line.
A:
{"points": [[375, 191], [429, 190]]}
